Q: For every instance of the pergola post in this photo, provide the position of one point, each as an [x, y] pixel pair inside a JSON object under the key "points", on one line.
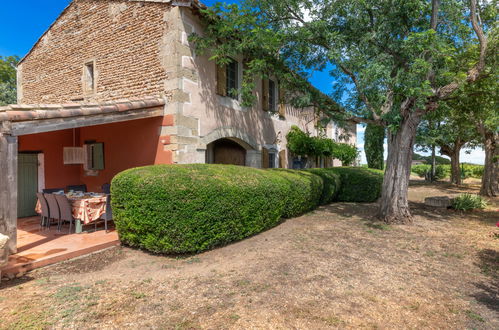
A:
{"points": [[8, 190]]}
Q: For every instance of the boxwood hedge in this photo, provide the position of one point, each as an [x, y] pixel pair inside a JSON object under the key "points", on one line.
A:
{"points": [[191, 208], [358, 184]]}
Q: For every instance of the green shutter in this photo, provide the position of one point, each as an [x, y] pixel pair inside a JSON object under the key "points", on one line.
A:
{"points": [[98, 156]]}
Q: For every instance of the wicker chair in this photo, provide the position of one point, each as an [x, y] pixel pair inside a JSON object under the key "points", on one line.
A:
{"points": [[66, 213], [45, 214], [108, 215], [54, 212], [106, 188]]}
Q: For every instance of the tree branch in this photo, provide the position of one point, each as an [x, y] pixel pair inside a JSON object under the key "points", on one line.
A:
{"points": [[361, 94], [362, 120], [435, 4], [474, 73]]}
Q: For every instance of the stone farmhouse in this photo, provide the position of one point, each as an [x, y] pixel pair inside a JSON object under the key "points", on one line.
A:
{"points": [[115, 84]]}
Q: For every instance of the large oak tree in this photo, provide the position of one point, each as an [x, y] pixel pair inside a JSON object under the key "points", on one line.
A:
{"points": [[392, 62]]}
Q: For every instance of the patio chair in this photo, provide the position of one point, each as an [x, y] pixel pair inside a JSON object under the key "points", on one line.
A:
{"points": [[79, 187], [44, 215], [109, 213], [106, 188], [51, 190], [66, 213], [54, 212]]}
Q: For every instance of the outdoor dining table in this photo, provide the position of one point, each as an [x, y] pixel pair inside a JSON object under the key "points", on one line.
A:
{"points": [[86, 208]]}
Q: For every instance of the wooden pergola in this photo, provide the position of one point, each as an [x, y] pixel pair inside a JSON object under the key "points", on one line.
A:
{"points": [[18, 120]]}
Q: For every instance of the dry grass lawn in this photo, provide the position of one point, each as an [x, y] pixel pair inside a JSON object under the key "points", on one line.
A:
{"points": [[332, 268]]}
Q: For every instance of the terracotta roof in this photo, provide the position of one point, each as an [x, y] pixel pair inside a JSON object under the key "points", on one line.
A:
{"points": [[25, 112]]}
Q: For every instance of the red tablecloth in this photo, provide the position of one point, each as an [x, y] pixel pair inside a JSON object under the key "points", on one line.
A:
{"points": [[86, 208]]}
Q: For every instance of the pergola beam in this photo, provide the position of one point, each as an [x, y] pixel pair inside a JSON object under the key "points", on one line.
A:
{"points": [[49, 125]]}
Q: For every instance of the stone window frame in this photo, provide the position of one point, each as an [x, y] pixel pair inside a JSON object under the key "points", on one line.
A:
{"points": [[274, 150], [228, 101], [87, 89]]}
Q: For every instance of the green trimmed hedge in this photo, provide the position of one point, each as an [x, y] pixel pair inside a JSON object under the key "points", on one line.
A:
{"points": [[359, 185], [331, 183], [302, 193], [191, 208]]}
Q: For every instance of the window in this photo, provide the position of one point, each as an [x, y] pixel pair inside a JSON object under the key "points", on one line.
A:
{"points": [[232, 79], [272, 160], [95, 156], [272, 95], [89, 77]]}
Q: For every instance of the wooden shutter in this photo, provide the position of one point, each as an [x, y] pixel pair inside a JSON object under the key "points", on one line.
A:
{"points": [[282, 102], [265, 95], [282, 159], [221, 80], [73, 155], [97, 156], [265, 158]]}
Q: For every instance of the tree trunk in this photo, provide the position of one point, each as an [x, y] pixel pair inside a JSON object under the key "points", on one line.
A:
{"points": [[455, 169], [490, 178], [433, 163], [453, 150], [394, 206]]}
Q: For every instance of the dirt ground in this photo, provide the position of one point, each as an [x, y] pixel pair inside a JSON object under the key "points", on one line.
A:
{"points": [[331, 268]]}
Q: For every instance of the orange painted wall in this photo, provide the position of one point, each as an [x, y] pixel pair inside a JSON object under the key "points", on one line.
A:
{"points": [[126, 145], [57, 175]]}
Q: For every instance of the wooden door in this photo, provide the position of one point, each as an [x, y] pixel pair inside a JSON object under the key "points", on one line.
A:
{"points": [[27, 184], [228, 152]]}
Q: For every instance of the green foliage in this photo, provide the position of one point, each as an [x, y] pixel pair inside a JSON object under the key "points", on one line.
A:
{"points": [[8, 80], [423, 171], [299, 142], [443, 171], [374, 138], [331, 183], [358, 184], [302, 144], [191, 208], [427, 159], [384, 48], [346, 153], [302, 192], [472, 170], [466, 202]]}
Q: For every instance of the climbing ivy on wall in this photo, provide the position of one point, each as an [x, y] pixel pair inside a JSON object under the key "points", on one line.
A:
{"points": [[302, 144], [373, 146]]}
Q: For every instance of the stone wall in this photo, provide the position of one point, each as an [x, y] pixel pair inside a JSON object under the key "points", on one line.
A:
{"points": [[124, 39]]}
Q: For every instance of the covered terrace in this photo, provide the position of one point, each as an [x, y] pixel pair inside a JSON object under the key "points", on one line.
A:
{"points": [[55, 146]]}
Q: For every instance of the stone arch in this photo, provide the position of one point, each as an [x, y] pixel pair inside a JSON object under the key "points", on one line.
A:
{"points": [[238, 136]]}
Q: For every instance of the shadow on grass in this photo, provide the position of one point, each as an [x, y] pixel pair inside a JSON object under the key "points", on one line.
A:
{"points": [[367, 211], [488, 295], [443, 214], [447, 187], [4, 284]]}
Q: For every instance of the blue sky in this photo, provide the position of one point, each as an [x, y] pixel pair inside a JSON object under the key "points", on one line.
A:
{"points": [[23, 22]]}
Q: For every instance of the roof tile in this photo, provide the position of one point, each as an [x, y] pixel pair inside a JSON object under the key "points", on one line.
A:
{"points": [[25, 112]]}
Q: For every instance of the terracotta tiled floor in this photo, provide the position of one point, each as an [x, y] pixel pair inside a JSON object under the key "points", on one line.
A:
{"points": [[40, 247]]}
